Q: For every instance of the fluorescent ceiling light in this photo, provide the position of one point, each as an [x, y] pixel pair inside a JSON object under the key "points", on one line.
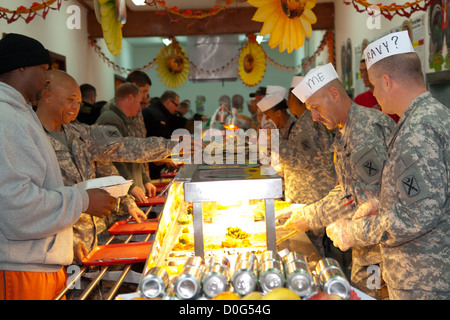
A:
{"points": [[166, 41], [139, 2], [259, 39]]}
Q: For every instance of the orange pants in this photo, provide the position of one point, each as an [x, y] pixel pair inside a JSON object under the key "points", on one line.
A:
{"points": [[21, 285]]}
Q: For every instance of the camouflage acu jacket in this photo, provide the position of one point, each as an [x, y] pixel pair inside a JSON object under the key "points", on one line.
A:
{"points": [[307, 159], [413, 224], [78, 149], [360, 151]]}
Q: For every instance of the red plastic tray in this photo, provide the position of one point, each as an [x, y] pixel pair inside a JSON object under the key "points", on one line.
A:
{"points": [[132, 227], [152, 201], [168, 174], [160, 187], [121, 253]]}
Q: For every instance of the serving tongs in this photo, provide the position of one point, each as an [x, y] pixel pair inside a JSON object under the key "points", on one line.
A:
{"points": [[284, 238]]}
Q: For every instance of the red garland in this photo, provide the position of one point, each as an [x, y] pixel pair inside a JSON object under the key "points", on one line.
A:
{"points": [[386, 10], [13, 15]]}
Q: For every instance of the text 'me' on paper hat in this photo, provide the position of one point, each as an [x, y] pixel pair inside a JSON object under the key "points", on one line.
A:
{"points": [[314, 80]]}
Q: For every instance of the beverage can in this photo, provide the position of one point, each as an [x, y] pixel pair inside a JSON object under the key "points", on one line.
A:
{"points": [[154, 283], [187, 285], [215, 280], [271, 275], [299, 278], [245, 277], [332, 279]]}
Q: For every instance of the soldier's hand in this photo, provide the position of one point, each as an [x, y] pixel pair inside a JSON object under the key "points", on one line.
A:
{"points": [[297, 222], [151, 189], [368, 208], [137, 214], [79, 252], [339, 233], [138, 194], [101, 203]]}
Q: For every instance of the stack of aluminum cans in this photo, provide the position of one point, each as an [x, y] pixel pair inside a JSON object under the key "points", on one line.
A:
{"points": [[214, 276]]}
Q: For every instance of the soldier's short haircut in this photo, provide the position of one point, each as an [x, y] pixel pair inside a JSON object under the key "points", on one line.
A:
{"points": [[125, 89], [405, 68], [140, 78], [86, 90]]}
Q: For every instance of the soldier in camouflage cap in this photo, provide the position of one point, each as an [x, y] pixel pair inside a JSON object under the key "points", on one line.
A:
{"points": [[411, 218], [359, 152]]}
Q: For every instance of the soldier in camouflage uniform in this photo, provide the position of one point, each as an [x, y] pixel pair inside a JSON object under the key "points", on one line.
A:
{"points": [[306, 159], [411, 219], [359, 153], [77, 146], [121, 115]]}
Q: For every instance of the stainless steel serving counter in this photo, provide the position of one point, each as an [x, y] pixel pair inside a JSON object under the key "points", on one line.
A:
{"points": [[231, 182]]}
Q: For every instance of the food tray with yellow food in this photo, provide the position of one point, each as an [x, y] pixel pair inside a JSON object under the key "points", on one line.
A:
{"points": [[259, 209]]}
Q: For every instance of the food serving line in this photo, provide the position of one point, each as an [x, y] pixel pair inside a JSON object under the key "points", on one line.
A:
{"points": [[199, 185]]}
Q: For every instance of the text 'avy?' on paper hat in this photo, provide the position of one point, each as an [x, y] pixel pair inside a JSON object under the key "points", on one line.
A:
{"points": [[392, 44], [314, 80], [269, 102]]}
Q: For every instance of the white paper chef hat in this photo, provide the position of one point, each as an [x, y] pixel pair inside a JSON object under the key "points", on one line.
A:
{"points": [[269, 101], [394, 43], [282, 92], [295, 81], [314, 80]]}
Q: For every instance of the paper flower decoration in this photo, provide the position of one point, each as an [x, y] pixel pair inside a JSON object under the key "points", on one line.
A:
{"points": [[111, 26], [172, 65], [287, 21], [252, 63]]}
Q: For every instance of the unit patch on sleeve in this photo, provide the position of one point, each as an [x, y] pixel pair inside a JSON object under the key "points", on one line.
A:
{"points": [[368, 165], [410, 182]]}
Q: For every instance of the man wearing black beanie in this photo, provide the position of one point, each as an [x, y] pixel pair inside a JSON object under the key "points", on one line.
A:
{"points": [[36, 210]]}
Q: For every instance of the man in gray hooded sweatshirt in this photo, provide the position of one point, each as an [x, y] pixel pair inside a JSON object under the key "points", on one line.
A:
{"points": [[36, 210]]}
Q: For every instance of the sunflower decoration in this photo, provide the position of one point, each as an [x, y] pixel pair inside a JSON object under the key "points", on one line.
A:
{"points": [[287, 21], [111, 19], [252, 62], [172, 65]]}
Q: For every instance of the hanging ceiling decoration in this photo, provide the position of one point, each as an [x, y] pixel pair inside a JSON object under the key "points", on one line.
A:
{"points": [[287, 21], [189, 14], [252, 62], [172, 65], [28, 14], [112, 17], [389, 11]]}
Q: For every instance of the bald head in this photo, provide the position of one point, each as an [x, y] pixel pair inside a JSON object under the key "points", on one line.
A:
{"points": [[57, 79], [60, 101]]}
